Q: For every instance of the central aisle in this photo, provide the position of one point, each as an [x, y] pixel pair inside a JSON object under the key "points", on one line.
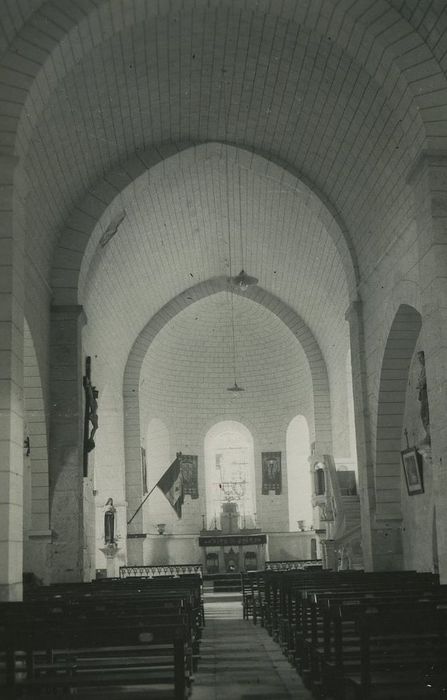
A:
{"points": [[239, 660]]}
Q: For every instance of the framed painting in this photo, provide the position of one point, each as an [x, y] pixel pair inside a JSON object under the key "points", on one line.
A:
{"points": [[412, 464], [188, 466], [271, 473]]}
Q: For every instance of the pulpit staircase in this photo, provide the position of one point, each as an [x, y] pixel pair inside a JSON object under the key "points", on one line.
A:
{"points": [[340, 516]]}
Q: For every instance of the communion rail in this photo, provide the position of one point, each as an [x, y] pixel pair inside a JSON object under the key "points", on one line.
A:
{"points": [[160, 570]]}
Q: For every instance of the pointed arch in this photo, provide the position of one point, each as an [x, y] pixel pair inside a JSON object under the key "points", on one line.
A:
{"points": [[81, 236], [317, 366]]}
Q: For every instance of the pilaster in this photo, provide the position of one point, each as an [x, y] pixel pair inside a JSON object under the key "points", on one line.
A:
{"points": [[429, 183], [66, 443], [354, 316], [11, 387]]}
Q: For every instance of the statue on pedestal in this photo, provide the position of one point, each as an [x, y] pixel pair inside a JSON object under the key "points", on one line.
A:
{"points": [[109, 522], [423, 398]]}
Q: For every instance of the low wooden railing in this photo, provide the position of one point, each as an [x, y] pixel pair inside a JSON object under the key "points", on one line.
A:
{"points": [[160, 570], [292, 565]]}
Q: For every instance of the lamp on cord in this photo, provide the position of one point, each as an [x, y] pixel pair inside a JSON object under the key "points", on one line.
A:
{"points": [[242, 281], [235, 389]]}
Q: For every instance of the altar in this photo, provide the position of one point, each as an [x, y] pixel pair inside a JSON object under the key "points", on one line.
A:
{"points": [[218, 551], [228, 553]]}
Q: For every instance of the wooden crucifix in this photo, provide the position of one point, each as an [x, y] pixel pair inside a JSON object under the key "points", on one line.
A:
{"points": [[91, 414]]}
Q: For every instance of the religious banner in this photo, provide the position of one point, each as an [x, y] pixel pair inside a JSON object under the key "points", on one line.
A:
{"points": [[189, 470], [271, 473]]}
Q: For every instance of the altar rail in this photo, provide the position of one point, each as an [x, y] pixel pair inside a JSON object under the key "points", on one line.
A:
{"points": [[160, 570], [292, 565]]}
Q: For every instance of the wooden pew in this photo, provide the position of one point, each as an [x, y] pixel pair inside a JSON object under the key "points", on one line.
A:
{"points": [[294, 613], [249, 591], [73, 656], [335, 641], [397, 646], [82, 635]]}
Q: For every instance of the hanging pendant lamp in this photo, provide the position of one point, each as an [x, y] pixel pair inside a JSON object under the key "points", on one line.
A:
{"points": [[244, 281]]}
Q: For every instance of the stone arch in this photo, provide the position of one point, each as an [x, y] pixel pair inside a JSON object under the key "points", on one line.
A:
{"points": [[399, 350], [30, 76], [85, 220], [317, 365]]}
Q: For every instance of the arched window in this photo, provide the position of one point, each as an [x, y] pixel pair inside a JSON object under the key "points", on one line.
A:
{"points": [[298, 473], [230, 477], [319, 480]]}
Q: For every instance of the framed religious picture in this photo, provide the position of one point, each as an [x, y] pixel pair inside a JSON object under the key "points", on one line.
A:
{"points": [[271, 472], [412, 464]]}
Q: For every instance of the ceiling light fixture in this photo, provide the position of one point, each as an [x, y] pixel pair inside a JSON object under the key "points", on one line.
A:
{"points": [[235, 387], [244, 281]]}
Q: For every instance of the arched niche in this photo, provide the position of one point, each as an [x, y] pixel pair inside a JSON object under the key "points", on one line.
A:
{"points": [[399, 351], [298, 473], [230, 477]]}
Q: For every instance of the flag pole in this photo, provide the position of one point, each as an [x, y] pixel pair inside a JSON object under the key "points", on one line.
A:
{"points": [[143, 502]]}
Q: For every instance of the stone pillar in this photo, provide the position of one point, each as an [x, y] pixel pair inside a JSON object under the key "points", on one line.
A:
{"points": [[329, 554], [66, 443], [354, 316], [429, 183], [110, 552], [11, 388]]}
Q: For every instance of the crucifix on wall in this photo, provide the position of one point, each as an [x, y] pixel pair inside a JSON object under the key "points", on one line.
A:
{"points": [[91, 413]]}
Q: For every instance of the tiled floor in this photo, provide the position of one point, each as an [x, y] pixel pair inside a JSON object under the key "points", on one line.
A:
{"points": [[239, 660]]}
